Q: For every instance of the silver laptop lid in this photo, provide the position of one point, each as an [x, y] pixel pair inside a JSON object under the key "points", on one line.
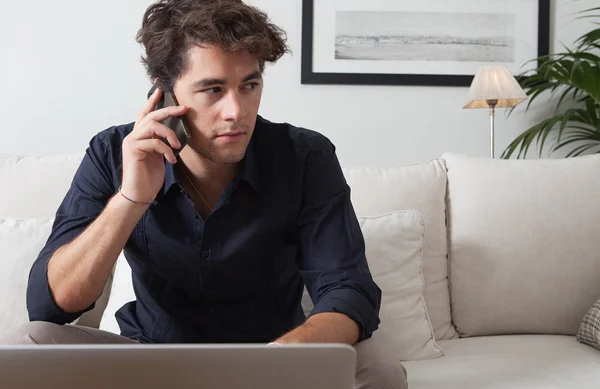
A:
{"points": [[314, 366]]}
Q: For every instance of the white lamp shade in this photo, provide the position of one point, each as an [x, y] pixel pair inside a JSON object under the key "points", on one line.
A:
{"points": [[494, 83]]}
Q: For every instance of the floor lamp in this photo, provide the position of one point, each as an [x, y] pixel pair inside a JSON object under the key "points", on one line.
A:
{"points": [[494, 87]]}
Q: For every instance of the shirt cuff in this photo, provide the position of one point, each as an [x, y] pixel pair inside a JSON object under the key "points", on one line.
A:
{"points": [[41, 304], [352, 304]]}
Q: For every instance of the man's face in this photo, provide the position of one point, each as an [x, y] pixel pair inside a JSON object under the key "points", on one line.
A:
{"points": [[223, 92]]}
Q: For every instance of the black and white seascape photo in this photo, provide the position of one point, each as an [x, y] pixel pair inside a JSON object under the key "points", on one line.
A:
{"points": [[428, 42], [425, 36]]}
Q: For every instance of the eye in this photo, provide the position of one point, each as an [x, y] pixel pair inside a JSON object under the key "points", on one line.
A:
{"points": [[251, 86], [211, 91]]}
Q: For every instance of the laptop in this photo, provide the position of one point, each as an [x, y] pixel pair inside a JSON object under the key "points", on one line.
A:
{"points": [[229, 366]]}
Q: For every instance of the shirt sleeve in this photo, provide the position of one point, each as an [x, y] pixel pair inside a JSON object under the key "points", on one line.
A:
{"points": [[331, 248], [90, 190]]}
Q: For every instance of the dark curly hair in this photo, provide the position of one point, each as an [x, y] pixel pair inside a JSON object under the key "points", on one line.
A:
{"points": [[171, 27]]}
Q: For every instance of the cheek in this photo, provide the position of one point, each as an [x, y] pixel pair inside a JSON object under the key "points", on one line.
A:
{"points": [[253, 101], [199, 121], [200, 112], [193, 114]]}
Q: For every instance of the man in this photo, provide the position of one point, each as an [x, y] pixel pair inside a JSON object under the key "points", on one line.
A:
{"points": [[221, 238]]}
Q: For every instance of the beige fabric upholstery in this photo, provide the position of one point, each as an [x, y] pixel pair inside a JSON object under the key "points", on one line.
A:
{"points": [[525, 244], [394, 249], [37, 184], [20, 243], [420, 187], [509, 362], [37, 187]]}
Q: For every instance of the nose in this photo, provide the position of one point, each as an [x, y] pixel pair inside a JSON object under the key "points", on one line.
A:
{"points": [[233, 109]]}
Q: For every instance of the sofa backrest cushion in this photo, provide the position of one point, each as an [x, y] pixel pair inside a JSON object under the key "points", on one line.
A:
{"points": [[419, 187], [33, 187], [524, 243], [20, 243], [32, 190]]}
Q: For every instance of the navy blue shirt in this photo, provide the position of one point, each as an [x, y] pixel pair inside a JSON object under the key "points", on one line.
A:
{"points": [[285, 221]]}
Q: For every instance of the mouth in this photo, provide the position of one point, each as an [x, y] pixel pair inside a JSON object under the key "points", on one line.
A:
{"points": [[233, 135]]}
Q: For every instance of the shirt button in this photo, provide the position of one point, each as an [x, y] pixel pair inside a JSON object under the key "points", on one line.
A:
{"points": [[204, 254]]}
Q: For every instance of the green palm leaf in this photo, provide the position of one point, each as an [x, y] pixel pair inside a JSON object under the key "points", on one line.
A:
{"points": [[573, 76], [575, 122]]}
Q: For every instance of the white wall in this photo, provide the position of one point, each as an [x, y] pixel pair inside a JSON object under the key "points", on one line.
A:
{"points": [[71, 68]]}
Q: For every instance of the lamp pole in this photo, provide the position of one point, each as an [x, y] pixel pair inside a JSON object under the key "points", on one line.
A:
{"points": [[492, 104]]}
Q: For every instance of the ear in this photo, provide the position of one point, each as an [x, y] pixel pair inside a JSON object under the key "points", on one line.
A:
{"points": [[158, 83], [152, 90]]}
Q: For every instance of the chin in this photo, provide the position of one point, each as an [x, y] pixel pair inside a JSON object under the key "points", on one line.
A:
{"points": [[226, 158], [229, 160]]}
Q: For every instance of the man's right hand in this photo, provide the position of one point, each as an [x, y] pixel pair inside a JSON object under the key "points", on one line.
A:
{"points": [[77, 271], [144, 151]]}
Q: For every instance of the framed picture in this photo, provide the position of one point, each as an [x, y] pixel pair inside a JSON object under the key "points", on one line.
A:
{"points": [[409, 42]]}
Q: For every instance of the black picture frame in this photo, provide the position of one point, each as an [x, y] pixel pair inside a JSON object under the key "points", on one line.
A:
{"points": [[308, 76]]}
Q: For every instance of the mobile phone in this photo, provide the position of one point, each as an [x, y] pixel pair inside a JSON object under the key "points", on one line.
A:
{"points": [[178, 124]]}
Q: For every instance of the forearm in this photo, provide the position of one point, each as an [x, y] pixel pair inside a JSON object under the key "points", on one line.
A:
{"points": [[78, 271], [324, 328]]}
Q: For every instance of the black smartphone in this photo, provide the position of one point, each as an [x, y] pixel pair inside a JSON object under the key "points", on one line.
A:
{"points": [[176, 123]]}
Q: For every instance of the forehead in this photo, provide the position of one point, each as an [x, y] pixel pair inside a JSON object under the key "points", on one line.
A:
{"points": [[213, 62]]}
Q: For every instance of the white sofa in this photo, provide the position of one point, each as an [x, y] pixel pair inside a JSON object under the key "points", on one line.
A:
{"points": [[487, 266]]}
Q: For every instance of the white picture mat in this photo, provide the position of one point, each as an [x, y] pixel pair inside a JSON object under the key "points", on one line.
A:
{"points": [[324, 31]]}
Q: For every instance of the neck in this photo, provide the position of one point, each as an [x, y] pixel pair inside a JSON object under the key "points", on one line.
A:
{"points": [[205, 172]]}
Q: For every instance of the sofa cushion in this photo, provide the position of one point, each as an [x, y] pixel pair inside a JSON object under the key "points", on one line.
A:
{"points": [[35, 186], [121, 293], [394, 249], [21, 242], [524, 243], [420, 187], [589, 330], [509, 362]]}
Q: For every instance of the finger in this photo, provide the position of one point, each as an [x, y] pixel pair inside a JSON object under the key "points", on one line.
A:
{"points": [[150, 104], [157, 130], [155, 146], [164, 113]]}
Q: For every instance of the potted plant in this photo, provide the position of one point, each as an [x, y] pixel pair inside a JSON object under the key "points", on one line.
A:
{"points": [[575, 74]]}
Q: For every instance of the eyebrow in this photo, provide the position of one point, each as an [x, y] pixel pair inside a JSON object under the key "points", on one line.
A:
{"points": [[223, 81]]}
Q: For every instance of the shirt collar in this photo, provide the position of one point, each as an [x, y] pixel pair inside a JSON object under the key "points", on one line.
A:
{"points": [[170, 178], [249, 170]]}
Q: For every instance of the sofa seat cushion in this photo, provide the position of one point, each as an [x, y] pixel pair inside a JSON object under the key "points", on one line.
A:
{"points": [[509, 362]]}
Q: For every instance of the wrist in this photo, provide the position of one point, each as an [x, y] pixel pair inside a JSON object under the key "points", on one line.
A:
{"points": [[125, 207], [134, 200]]}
